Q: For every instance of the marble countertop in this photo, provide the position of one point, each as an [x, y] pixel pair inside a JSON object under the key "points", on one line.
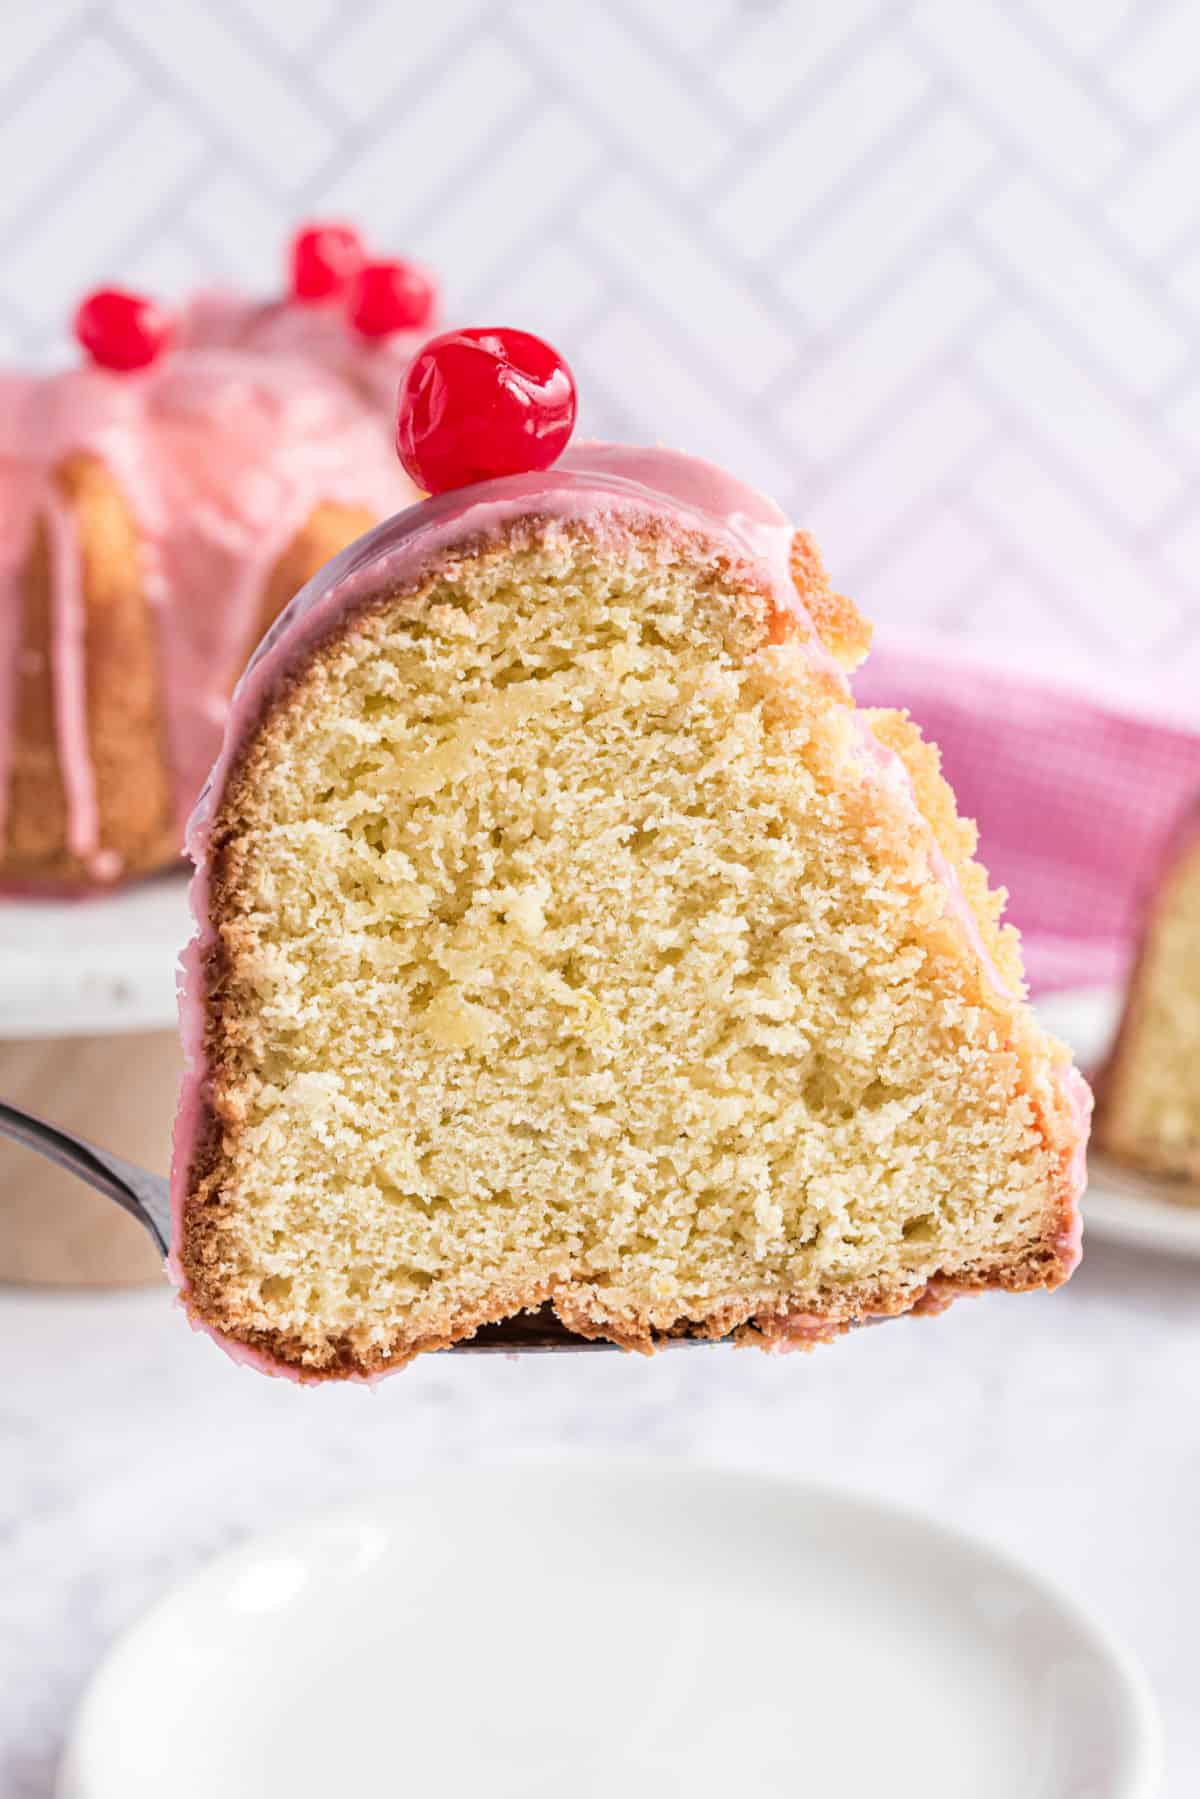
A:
{"points": [[1063, 1428]]}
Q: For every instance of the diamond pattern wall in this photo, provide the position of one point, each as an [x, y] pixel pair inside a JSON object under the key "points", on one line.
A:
{"points": [[930, 272]]}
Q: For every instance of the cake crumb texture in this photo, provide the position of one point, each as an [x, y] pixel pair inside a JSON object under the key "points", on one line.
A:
{"points": [[569, 949]]}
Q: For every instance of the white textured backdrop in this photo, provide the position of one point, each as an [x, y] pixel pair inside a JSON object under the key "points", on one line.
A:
{"points": [[930, 272]]}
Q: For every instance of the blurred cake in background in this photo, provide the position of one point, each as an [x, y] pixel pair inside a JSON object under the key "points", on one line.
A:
{"points": [[1148, 1102], [358, 318], [162, 502]]}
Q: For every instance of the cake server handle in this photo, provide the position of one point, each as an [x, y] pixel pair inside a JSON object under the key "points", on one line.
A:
{"points": [[144, 1196]]}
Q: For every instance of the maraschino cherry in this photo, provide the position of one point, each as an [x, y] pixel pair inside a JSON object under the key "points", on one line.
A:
{"points": [[474, 404], [323, 260], [120, 330], [390, 296]]}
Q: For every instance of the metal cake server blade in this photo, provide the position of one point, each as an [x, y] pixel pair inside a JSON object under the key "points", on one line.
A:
{"points": [[146, 1197]]}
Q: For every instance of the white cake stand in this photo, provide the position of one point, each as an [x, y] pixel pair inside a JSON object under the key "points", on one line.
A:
{"points": [[88, 1040], [92, 966]]}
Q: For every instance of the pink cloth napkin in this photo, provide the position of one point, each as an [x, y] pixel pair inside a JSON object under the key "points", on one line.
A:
{"points": [[1074, 800]]}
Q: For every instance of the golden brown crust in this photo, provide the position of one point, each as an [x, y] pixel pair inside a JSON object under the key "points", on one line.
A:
{"points": [[328, 528], [839, 624], [763, 1325]]}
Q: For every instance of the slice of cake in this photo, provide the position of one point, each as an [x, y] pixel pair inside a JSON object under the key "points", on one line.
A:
{"points": [[567, 938], [1148, 1098]]}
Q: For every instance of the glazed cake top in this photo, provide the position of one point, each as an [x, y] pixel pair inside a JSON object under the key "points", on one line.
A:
{"points": [[220, 456]]}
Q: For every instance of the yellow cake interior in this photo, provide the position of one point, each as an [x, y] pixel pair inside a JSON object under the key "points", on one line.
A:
{"points": [[570, 952]]}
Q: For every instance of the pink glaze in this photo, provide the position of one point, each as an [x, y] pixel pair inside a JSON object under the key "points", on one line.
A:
{"points": [[221, 456], [802, 1330], [317, 331], [248, 1357], [1078, 1096], [607, 488], [68, 675]]}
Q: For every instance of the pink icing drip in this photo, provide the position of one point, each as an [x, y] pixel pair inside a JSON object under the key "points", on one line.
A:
{"points": [[10, 625], [606, 487], [803, 1330], [221, 456], [1078, 1096], [248, 1357], [69, 682]]}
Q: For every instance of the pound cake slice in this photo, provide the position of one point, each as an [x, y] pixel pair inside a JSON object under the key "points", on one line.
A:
{"points": [[1148, 1097], [568, 939]]}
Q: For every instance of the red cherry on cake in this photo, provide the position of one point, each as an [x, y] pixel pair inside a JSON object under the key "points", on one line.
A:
{"points": [[390, 296], [323, 260], [474, 404], [120, 330]]}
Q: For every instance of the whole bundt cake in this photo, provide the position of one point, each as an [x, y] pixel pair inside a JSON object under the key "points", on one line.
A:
{"points": [[567, 939], [161, 504]]}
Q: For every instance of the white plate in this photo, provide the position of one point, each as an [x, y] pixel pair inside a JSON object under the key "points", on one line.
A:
{"points": [[601, 1631], [1120, 1204], [88, 966]]}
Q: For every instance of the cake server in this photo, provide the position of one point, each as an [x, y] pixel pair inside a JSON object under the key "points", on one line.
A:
{"points": [[146, 1197]]}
